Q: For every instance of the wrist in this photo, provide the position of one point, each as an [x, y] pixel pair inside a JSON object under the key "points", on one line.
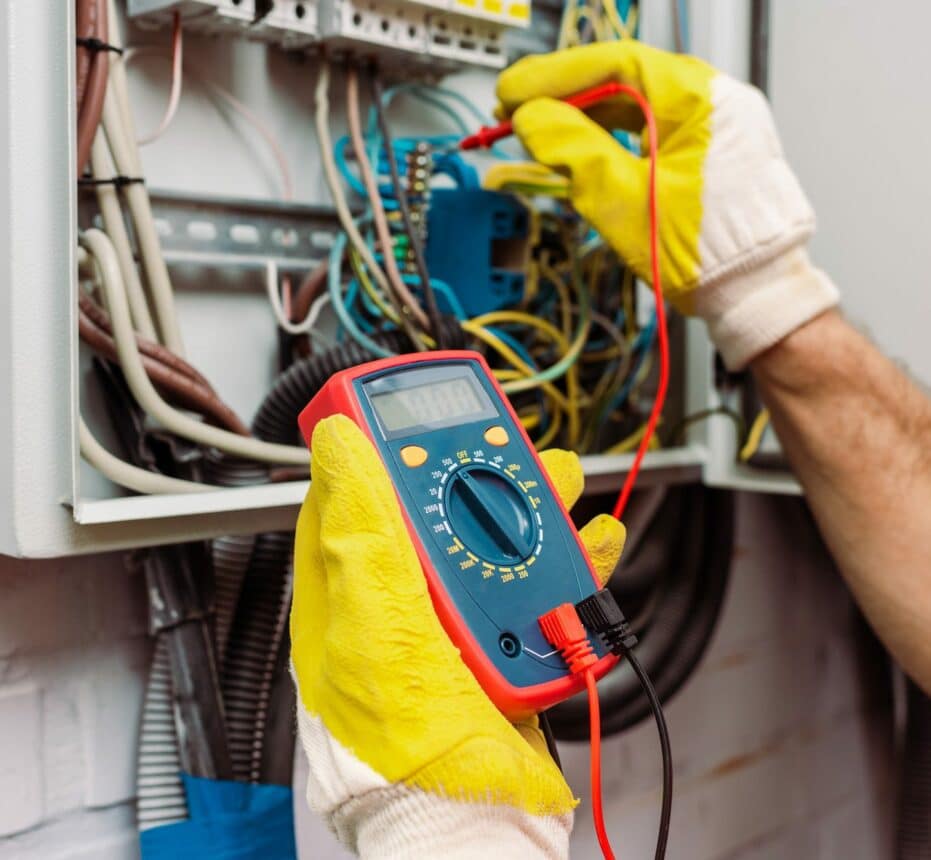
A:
{"points": [[753, 310]]}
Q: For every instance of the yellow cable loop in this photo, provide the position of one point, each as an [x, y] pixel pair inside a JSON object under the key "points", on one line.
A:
{"points": [[755, 436], [516, 361], [573, 425], [632, 441], [614, 17], [551, 432]]}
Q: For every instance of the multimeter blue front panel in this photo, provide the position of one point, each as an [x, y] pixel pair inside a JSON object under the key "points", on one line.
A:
{"points": [[500, 543]]}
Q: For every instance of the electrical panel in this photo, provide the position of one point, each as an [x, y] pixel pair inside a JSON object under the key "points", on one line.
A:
{"points": [[223, 246]]}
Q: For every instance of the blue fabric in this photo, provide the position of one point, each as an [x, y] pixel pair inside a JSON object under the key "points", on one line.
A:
{"points": [[229, 821]]}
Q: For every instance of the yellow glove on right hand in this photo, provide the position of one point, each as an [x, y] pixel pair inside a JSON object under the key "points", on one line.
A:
{"points": [[733, 218]]}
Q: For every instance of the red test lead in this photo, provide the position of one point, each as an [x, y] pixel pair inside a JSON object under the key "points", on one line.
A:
{"points": [[488, 135]]}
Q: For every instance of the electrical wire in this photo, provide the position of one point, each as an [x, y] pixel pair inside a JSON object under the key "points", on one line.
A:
{"points": [[92, 74], [127, 475], [174, 96], [259, 126], [115, 226], [656, 707], [594, 712], [120, 136], [101, 249], [178, 388], [331, 175], [663, 383], [755, 436], [399, 192], [408, 302]]}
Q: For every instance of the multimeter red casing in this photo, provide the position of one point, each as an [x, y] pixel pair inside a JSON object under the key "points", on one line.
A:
{"points": [[488, 583]]}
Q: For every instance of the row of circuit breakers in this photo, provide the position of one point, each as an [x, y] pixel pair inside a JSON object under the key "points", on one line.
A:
{"points": [[436, 33]]}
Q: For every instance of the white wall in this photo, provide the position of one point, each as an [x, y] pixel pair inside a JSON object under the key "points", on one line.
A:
{"points": [[848, 85]]}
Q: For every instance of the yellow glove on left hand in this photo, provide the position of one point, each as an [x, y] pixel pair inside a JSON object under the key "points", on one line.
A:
{"points": [[408, 756]]}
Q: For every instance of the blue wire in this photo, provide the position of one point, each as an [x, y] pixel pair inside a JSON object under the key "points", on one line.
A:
{"points": [[445, 290], [515, 344], [684, 28], [337, 299]]}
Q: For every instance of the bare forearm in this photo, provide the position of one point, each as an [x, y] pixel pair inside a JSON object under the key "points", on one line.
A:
{"points": [[858, 434]]}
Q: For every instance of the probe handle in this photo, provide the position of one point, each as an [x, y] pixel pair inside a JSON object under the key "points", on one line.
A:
{"points": [[488, 135]]}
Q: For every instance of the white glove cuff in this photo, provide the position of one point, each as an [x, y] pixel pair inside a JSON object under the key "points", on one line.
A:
{"points": [[391, 821], [751, 311], [410, 823]]}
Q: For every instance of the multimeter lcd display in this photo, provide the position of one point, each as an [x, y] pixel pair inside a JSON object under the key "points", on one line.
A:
{"points": [[426, 404]]}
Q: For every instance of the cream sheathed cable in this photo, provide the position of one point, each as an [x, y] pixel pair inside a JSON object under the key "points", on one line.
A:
{"points": [[101, 248], [121, 138], [382, 230], [325, 142], [129, 476], [109, 203]]}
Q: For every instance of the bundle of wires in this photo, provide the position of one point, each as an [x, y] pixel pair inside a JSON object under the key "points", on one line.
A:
{"points": [[574, 355]]}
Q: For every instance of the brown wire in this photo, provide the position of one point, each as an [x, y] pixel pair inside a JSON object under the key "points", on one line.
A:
{"points": [[93, 67], [309, 289], [177, 388], [160, 353]]}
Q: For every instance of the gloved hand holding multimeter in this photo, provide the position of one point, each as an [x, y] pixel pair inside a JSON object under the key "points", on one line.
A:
{"points": [[431, 542]]}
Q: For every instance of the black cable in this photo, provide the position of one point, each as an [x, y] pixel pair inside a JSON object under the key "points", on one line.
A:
{"points": [[404, 205], [675, 435], [666, 750], [600, 613], [550, 739]]}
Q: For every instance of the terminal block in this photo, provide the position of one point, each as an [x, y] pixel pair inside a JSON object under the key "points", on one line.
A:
{"points": [[205, 16]]}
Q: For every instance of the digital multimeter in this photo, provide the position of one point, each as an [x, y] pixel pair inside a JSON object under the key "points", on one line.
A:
{"points": [[494, 540]]}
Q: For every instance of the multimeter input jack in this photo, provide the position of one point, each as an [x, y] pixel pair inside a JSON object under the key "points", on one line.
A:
{"points": [[509, 644]]}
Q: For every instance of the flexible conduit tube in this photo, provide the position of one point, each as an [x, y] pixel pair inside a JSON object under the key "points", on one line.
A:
{"points": [[159, 793], [688, 606]]}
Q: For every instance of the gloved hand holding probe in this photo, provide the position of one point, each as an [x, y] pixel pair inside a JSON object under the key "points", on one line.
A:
{"points": [[734, 219]]}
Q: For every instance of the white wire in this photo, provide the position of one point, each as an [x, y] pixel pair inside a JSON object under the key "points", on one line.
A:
{"points": [[191, 69], [274, 298], [101, 248], [118, 127], [330, 173], [174, 97], [127, 475], [109, 203]]}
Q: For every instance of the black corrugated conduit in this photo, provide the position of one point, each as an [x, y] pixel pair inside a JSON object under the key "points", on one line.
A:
{"points": [[686, 590]]}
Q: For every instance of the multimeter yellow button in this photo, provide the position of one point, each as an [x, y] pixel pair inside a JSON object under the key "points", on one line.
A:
{"points": [[496, 436], [413, 456]]}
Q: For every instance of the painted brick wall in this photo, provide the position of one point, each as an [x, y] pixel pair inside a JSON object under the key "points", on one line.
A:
{"points": [[782, 738]]}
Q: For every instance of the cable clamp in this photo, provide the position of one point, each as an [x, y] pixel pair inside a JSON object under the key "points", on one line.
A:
{"points": [[92, 43], [116, 181]]}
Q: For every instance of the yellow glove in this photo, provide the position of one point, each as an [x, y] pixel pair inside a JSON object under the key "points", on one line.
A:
{"points": [[734, 220], [408, 757]]}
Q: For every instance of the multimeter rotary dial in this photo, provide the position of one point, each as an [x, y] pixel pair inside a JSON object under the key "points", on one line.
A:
{"points": [[491, 515]]}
